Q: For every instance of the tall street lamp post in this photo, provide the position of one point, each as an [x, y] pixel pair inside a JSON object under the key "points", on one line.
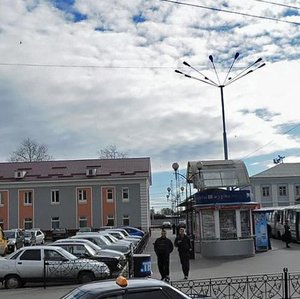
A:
{"points": [[228, 80]]}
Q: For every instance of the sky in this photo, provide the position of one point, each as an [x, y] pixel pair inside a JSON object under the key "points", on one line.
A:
{"points": [[80, 75]]}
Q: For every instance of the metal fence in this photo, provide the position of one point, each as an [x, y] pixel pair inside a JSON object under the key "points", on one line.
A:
{"points": [[283, 285]]}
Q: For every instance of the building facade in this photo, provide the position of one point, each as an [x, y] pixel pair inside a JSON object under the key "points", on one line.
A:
{"points": [[75, 193], [277, 186]]}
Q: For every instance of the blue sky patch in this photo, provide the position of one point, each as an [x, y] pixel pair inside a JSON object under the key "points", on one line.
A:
{"points": [[138, 18], [67, 6], [290, 12]]}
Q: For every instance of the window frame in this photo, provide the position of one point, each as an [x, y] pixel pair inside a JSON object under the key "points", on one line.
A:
{"points": [[81, 195], [282, 190], [28, 199], [125, 191], [55, 200], [55, 221], [83, 218], [28, 221], [109, 191]]}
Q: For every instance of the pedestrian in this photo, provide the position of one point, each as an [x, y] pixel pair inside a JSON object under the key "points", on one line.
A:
{"points": [[183, 243], [287, 237], [269, 235], [163, 247]]}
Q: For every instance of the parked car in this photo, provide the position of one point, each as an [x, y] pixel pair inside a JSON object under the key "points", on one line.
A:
{"points": [[114, 240], [120, 236], [99, 250], [101, 241], [59, 233], [83, 250], [34, 237], [15, 239], [122, 288], [133, 231], [3, 243], [126, 234], [27, 265], [166, 224]]}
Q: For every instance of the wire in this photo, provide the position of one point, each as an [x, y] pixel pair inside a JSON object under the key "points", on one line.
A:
{"points": [[278, 4], [85, 66], [258, 149], [230, 12]]}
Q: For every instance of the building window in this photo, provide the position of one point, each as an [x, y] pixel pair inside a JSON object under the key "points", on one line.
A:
{"points": [[55, 222], [2, 223], [110, 220], [265, 191], [28, 223], [82, 195], [227, 224], [83, 222], [282, 190], [28, 198], [125, 194], [125, 220], [1, 199], [109, 195], [54, 197]]}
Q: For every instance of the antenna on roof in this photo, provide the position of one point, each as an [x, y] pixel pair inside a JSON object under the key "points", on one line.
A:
{"points": [[278, 160]]}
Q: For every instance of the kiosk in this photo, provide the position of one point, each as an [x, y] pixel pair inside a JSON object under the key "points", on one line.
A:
{"points": [[224, 208]]}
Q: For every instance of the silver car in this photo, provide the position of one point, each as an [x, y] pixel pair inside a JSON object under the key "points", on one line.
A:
{"points": [[28, 265]]}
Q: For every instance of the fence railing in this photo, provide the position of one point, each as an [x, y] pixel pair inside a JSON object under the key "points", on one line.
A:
{"points": [[283, 285]]}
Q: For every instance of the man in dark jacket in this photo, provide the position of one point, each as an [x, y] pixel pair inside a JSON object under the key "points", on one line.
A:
{"points": [[163, 247], [183, 243]]}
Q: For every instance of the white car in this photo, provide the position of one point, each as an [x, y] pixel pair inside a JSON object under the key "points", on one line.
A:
{"points": [[28, 264], [34, 236]]}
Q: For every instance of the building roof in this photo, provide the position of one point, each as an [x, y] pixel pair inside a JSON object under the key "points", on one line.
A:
{"points": [[76, 169], [280, 170]]}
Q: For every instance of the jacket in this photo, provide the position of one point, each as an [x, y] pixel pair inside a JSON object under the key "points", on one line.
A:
{"points": [[163, 246]]}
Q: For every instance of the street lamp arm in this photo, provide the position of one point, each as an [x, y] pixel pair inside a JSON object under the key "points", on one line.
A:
{"points": [[239, 77], [198, 79], [196, 70], [243, 72]]}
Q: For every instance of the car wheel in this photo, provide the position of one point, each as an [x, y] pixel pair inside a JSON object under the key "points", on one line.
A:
{"points": [[85, 277], [13, 282]]}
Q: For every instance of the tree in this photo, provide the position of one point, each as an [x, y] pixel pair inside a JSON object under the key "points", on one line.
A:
{"points": [[30, 151], [111, 152], [166, 211]]}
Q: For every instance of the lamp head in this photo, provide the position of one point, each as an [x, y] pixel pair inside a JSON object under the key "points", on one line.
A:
{"points": [[175, 166], [185, 63], [169, 189], [211, 58], [237, 54]]}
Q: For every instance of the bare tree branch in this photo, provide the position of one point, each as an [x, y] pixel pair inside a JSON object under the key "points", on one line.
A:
{"points": [[111, 152], [30, 151]]}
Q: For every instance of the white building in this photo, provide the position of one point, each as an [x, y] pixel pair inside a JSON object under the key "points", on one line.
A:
{"points": [[277, 186]]}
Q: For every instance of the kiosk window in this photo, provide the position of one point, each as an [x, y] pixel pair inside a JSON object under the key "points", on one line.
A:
{"points": [[227, 224]]}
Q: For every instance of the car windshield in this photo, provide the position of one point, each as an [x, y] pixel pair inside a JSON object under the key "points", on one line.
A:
{"points": [[107, 242], [9, 234]]}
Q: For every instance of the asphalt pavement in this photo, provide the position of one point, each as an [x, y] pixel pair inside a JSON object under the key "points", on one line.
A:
{"points": [[272, 261]]}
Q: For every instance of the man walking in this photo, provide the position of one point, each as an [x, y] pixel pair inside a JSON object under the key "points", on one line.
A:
{"points": [[183, 243], [163, 247]]}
